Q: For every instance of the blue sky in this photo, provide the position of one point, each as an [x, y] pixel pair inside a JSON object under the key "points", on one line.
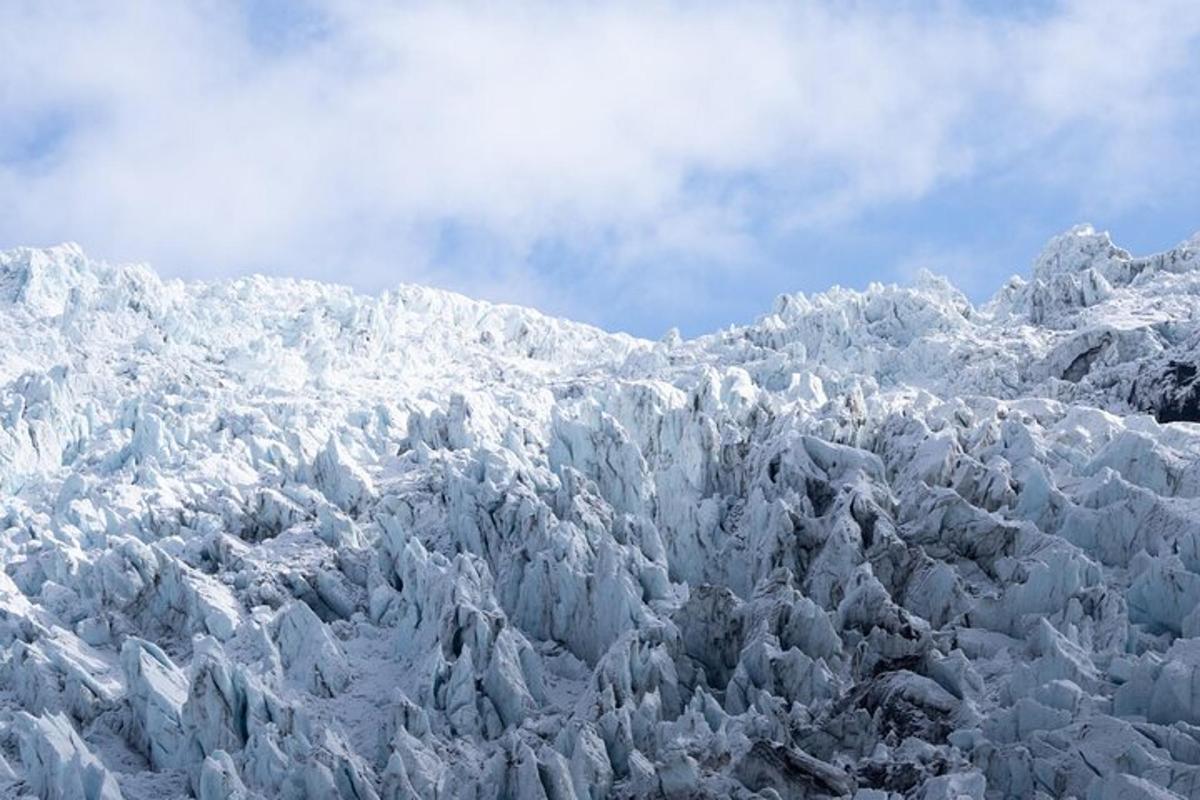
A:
{"points": [[636, 165]]}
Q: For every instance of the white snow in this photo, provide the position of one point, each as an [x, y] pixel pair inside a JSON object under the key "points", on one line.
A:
{"points": [[270, 538]]}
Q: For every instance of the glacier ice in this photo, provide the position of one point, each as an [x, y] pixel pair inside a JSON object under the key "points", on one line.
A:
{"points": [[269, 538]]}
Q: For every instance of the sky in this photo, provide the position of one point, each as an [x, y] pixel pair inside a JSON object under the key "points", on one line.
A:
{"points": [[639, 166]]}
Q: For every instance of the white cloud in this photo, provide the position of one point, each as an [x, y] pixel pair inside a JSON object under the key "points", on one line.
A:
{"points": [[652, 132]]}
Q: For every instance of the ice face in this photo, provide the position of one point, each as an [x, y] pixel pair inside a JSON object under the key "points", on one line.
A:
{"points": [[270, 538]]}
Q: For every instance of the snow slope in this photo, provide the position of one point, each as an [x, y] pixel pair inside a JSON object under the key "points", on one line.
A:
{"points": [[274, 539]]}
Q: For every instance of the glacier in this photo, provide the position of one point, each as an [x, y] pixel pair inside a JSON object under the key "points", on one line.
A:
{"points": [[269, 538]]}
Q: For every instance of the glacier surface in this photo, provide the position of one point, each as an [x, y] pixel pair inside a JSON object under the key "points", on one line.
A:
{"points": [[268, 538]]}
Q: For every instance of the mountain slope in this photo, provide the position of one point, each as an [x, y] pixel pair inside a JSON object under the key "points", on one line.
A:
{"points": [[274, 539]]}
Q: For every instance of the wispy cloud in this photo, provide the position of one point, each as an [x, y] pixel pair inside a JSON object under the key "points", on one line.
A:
{"points": [[342, 140]]}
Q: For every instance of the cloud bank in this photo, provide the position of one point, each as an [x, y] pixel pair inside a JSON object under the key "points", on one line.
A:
{"points": [[586, 157]]}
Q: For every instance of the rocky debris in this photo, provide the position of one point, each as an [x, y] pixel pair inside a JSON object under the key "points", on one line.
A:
{"points": [[791, 773]]}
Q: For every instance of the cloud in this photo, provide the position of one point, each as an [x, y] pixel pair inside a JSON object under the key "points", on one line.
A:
{"points": [[343, 140]]}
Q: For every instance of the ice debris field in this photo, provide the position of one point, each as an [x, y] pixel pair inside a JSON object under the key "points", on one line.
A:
{"points": [[273, 539]]}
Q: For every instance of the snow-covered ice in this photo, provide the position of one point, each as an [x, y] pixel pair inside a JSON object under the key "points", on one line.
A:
{"points": [[269, 538]]}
